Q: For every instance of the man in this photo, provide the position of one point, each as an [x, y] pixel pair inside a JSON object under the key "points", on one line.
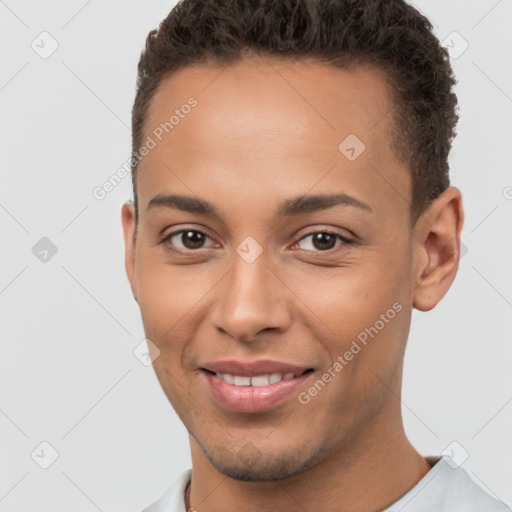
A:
{"points": [[291, 206]]}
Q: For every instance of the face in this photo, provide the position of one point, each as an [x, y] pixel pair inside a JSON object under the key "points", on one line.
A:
{"points": [[238, 276]]}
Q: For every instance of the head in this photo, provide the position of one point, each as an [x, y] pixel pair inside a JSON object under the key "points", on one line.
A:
{"points": [[292, 204]]}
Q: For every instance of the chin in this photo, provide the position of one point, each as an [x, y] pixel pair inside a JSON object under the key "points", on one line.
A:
{"points": [[256, 473], [250, 465]]}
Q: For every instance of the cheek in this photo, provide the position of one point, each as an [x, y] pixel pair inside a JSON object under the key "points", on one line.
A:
{"points": [[365, 308], [352, 297], [168, 294]]}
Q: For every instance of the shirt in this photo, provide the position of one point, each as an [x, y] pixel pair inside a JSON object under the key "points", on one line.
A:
{"points": [[445, 488]]}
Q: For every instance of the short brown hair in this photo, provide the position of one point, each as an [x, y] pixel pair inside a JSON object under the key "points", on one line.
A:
{"points": [[389, 34]]}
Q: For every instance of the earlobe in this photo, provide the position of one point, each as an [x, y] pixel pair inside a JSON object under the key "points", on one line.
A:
{"points": [[128, 223], [438, 242]]}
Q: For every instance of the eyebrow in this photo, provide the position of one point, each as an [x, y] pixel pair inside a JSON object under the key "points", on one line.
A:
{"points": [[290, 207]]}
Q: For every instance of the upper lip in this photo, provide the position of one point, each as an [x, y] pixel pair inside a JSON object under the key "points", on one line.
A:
{"points": [[252, 368]]}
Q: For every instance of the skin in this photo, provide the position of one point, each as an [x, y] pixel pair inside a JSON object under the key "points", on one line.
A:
{"points": [[264, 131]]}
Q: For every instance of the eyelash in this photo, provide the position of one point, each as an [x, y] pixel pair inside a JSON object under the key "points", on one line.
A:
{"points": [[346, 241]]}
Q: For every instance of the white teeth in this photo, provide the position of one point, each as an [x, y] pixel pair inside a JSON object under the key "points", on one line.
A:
{"points": [[275, 377], [257, 380], [260, 380], [227, 377], [242, 381]]}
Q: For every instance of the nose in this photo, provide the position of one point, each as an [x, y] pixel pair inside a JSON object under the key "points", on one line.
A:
{"points": [[251, 300]]}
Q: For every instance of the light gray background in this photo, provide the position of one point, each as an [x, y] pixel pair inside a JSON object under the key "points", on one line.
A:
{"points": [[69, 326]]}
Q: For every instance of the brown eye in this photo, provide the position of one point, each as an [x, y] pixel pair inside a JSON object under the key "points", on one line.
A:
{"points": [[188, 239], [322, 241]]}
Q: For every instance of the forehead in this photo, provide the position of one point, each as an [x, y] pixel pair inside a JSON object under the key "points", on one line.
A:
{"points": [[272, 125]]}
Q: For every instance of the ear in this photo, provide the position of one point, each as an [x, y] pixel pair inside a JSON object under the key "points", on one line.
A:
{"points": [[437, 249], [128, 221]]}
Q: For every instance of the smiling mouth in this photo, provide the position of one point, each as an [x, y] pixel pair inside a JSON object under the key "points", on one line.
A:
{"points": [[266, 379]]}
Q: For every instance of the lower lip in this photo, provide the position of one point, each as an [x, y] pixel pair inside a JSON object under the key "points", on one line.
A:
{"points": [[253, 398]]}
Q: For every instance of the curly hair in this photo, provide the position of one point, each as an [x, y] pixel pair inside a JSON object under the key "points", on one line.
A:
{"points": [[389, 34]]}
